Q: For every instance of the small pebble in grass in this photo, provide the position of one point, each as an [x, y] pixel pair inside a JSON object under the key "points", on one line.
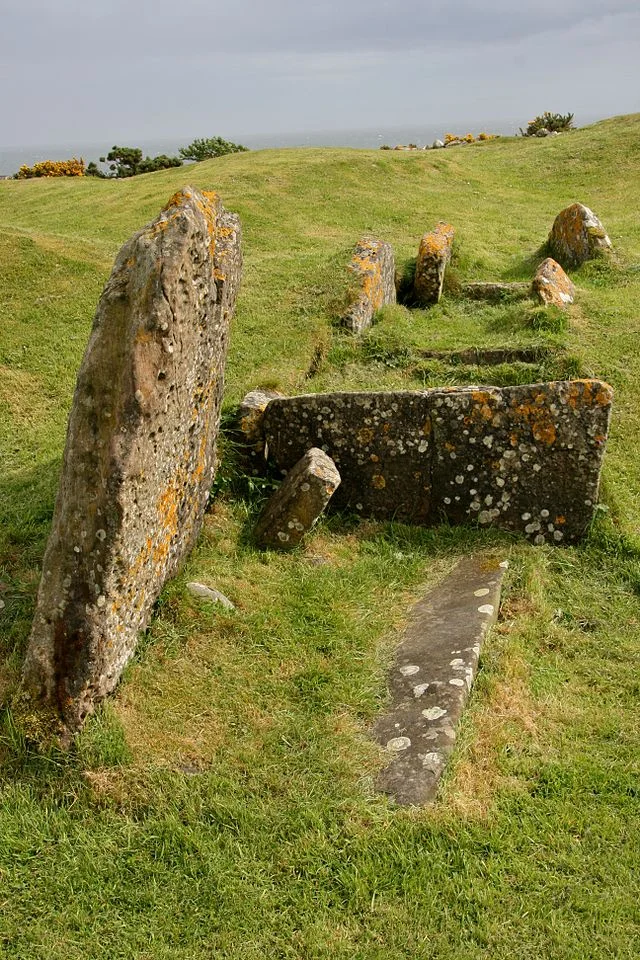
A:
{"points": [[203, 592]]}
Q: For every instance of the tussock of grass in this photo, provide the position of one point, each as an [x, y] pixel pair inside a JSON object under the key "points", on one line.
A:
{"points": [[222, 803]]}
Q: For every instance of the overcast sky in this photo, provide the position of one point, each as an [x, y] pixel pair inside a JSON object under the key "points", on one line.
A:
{"points": [[127, 70]]}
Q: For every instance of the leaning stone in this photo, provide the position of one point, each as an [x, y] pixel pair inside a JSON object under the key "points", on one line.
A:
{"points": [[140, 454], [552, 286], [250, 427], [202, 592], [495, 291], [577, 236], [298, 502], [525, 458], [434, 255], [373, 269]]}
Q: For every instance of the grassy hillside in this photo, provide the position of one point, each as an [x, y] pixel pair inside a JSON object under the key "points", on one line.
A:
{"points": [[221, 805]]}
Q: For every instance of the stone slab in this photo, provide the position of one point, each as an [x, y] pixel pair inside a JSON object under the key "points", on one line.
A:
{"points": [[552, 286], [576, 236], [140, 454], [297, 504], [434, 254], [496, 292], [525, 458], [373, 272], [429, 685]]}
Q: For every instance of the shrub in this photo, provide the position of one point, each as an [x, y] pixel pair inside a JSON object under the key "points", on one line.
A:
{"points": [[554, 122], [208, 149], [128, 162], [469, 138], [52, 168]]}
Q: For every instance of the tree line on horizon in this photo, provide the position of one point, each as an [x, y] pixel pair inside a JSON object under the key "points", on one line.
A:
{"points": [[129, 162]]}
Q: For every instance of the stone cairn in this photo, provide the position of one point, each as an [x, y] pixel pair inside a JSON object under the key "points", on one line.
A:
{"points": [[140, 454]]}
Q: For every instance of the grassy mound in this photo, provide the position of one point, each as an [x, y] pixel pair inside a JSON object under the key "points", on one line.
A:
{"points": [[221, 805]]}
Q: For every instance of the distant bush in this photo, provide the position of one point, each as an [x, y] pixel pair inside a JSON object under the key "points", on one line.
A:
{"points": [[128, 162], [553, 122], [204, 149], [52, 168], [487, 136]]}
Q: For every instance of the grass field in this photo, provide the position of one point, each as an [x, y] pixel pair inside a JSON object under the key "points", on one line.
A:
{"points": [[221, 805]]}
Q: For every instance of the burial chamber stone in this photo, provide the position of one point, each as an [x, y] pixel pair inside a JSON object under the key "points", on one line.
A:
{"points": [[434, 254], [140, 453], [523, 458], [373, 271], [576, 236]]}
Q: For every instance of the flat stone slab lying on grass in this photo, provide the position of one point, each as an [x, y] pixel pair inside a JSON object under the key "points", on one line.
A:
{"points": [[489, 356], [374, 274], [140, 455], [552, 286], [523, 458], [576, 236], [434, 254], [298, 502], [496, 292], [435, 666]]}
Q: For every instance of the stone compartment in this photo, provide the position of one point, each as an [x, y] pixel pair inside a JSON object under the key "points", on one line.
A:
{"points": [[525, 459]]}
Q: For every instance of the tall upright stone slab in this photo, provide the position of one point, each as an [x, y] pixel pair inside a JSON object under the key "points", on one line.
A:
{"points": [[140, 454], [576, 236], [434, 254], [373, 271]]}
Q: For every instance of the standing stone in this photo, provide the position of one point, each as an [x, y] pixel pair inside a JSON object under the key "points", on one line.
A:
{"points": [[434, 255], [373, 269], [552, 286], [140, 454], [251, 427], [576, 236], [296, 505]]}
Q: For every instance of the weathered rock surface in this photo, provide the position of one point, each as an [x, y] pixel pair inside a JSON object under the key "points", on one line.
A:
{"points": [[552, 286], [576, 236], [298, 502], [434, 255], [435, 666], [251, 427], [373, 269], [524, 458], [203, 592], [495, 292], [140, 453]]}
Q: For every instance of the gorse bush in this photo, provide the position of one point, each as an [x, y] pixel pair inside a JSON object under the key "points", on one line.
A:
{"points": [[52, 168], [554, 122]]}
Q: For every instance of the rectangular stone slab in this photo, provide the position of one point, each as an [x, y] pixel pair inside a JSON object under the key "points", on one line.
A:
{"points": [[140, 453], [524, 458], [430, 681]]}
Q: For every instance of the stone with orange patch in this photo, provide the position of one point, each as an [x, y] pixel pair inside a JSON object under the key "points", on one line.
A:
{"points": [[552, 286], [576, 236], [141, 451], [372, 268], [434, 254]]}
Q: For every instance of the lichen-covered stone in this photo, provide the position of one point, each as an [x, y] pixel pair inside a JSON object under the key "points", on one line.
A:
{"points": [[495, 292], [298, 502], [250, 427], [434, 254], [552, 286], [140, 453], [523, 458], [380, 443], [373, 271], [576, 236]]}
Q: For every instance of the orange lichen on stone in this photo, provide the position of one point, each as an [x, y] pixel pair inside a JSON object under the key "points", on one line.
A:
{"points": [[378, 481]]}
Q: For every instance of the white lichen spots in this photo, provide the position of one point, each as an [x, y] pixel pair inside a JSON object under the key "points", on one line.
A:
{"points": [[485, 516], [456, 682], [488, 500], [77, 550], [539, 540], [447, 500], [487, 608], [305, 487], [475, 506], [283, 536], [423, 446], [532, 527], [544, 513], [526, 516], [476, 649], [482, 592], [397, 744], [457, 662], [504, 564], [101, 535], [139, 395], [420, 689], [537, 468], [488, 441], [459, 478], [409, 670], [469, 467], [100, 602], [557, 536], [358, 506], [432, 762], [434, 713]]}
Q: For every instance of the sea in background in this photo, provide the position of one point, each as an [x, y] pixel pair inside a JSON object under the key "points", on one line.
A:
{"points": [[11, 158]]}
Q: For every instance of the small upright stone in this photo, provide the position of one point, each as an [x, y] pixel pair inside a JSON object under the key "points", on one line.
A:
{"points": [[434, 255], [296, 505], [250, 423], [140, 454], [373, 268], [576, 236], [552, 286]]}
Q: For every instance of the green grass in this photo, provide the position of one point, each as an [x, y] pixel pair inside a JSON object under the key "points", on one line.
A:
{"points": [[222, 803]]}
